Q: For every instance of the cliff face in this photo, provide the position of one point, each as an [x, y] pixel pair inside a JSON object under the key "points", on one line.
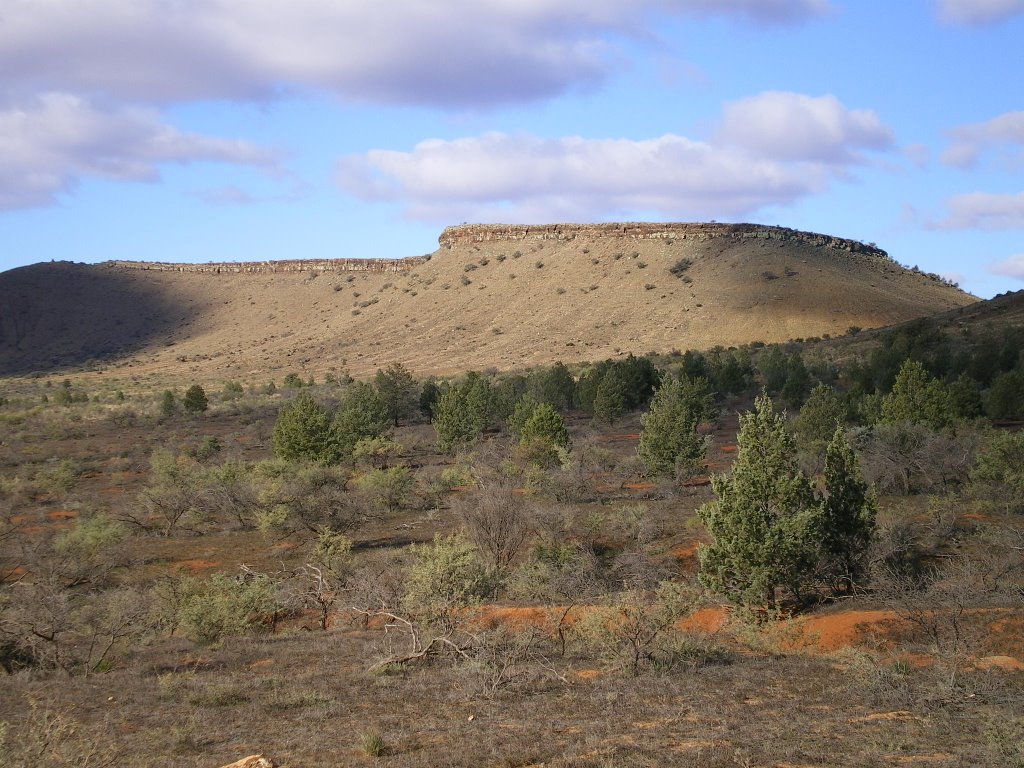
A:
{"points": [[278, 267], [471, 234]]}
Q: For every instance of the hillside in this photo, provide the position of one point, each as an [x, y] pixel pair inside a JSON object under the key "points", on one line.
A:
{"points": [[490, 296]]}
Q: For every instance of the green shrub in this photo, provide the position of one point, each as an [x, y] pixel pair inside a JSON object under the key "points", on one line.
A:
{"points": [[220, 606], [195, 400]]}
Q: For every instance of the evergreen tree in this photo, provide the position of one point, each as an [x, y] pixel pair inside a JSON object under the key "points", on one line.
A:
{"points": [[1005, 399], [917, 398], [610, 397], [361, 414], [521, 413], [461, 413], [554, 385], [848, 512], [398, 390], [428, 396], [167, 404], [798, 381], [764, 522], [669, 438], [303, 431], [543, 434], [195, 400], [816, 422]]}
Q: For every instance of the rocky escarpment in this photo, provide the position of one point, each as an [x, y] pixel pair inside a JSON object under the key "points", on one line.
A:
{"points": [[469, 234], [277, 267]]}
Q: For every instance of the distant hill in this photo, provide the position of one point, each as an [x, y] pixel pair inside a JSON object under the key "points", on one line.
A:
{"points": [[490, 296]]}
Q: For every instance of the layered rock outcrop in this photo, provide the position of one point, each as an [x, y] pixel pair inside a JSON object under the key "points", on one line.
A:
{"points": [[274, 267], [468, 234]]}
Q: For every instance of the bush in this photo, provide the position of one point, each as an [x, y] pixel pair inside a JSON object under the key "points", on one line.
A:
{"points": [[635, 634], [447, 577], [195, 400], [220, 606]]}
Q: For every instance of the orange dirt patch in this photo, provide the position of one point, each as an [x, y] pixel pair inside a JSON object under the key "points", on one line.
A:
{"points": [[708, 620], [195, 565], [638, 486], [728, 448], [686, 553], [832, 631], [61, 514], [1006, 663], [875, 717]]}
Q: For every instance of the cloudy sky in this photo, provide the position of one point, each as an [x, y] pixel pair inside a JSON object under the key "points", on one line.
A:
{"points": [[203, 130]]}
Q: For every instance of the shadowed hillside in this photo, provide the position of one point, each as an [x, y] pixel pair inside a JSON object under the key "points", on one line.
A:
{"points": [[489, 296], [63, 315]]}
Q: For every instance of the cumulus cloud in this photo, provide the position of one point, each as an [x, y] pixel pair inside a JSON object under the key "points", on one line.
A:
{"points": [[983, 210], [1011, 267], [454, 53], [47, 146], [793, 126], [969, 141], [497, 176], [978, 12]]}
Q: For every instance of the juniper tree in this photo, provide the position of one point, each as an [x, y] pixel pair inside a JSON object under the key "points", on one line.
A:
{"points": [[303, 431], [848, 512], [461, 413], [398, 390], [669, 437], [764, 522], [543, 435], [361, 414], [195, 400]]}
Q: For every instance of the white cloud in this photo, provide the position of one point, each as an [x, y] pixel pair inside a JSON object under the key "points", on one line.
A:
{"points": [[46, 147], [977, 12], [969, 141], [522, 177], [793, 126], [449, 53], [983, 210], [1011, 267]]}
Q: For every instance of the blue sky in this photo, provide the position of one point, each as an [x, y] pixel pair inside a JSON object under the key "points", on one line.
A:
{"points": [[206, 130]]}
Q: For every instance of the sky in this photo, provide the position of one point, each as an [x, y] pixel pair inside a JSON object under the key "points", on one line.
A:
{"points": [[227, 130]]}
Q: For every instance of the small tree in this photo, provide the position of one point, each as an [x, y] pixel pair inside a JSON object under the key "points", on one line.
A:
{"points": [[849, 509], [398, 391], [669, 439], [917, 398], [303, 431], [195, 400], [543, 434], [167, 404], [816, 422], [764, 523], [610, 400], [361, 414], [461, 414]]}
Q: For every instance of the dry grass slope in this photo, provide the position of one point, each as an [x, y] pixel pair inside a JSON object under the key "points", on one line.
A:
{"points": [[489, 297]]}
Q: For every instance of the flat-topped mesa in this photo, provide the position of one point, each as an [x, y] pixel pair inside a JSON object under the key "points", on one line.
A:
{"points": [[468, 234], [287, 265]]}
